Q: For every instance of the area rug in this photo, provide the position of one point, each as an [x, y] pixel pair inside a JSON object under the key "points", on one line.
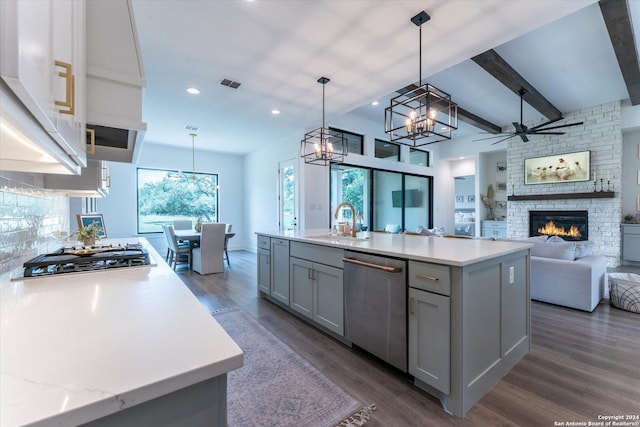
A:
{"points": [[276, 387]]}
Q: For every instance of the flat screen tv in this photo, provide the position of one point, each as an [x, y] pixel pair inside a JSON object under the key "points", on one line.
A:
{"points": [[411, 198]]}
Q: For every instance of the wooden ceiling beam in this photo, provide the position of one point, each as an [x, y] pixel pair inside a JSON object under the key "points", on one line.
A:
{"points": [[616, 17], [495, 65], [464, 115]]}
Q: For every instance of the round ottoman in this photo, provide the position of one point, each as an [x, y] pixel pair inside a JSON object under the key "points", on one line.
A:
{"points": [[624, 291]]}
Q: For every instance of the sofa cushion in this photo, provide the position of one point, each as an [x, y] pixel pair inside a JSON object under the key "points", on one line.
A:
{"points": [[557, 250], [584, 248]]}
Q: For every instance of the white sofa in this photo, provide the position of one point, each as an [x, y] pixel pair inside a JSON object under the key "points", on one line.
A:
{"points": [[567, 274]]}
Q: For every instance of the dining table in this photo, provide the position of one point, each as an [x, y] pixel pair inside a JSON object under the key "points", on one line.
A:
{"points": [[193, 237]]}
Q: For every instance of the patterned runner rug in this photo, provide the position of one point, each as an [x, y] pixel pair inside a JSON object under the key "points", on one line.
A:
{"points": [[277, 388]]}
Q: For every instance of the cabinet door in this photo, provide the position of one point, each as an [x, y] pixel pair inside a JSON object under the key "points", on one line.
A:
{"points": [[301, 272], [36, 35], [264, 270], [630, 243], [328, 298], [429, 338], [280, 270]]}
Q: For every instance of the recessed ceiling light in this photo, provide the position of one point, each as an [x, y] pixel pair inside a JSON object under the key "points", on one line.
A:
{"points": [[275, 111], [375, 103], [193, 90]]}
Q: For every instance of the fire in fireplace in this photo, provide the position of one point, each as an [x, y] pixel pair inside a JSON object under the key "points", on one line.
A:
{"points": [[570, 225]]}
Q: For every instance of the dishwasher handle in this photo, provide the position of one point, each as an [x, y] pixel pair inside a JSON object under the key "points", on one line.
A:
{"points": [[368, 264]]}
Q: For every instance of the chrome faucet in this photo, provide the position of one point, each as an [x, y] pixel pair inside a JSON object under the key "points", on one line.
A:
{"points": [[353, 216]]}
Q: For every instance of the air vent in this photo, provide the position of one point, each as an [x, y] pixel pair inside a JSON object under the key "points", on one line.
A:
{"points": [[230, 83]]}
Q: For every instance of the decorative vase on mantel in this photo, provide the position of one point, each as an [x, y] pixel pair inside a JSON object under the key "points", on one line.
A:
{"points": [[198, 225], [89, 241]]}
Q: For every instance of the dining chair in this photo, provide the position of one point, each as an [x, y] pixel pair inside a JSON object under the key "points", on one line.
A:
{"points": [[167, 236], [182, 224], [209, 257], [226, 243], [179, 253]]}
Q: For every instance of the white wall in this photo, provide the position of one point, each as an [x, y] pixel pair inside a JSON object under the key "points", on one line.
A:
{"points": [[630, 172], [120, 207]]}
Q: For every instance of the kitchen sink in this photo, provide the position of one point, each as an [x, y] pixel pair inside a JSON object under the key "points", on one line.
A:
{"points": [[339, 239]]}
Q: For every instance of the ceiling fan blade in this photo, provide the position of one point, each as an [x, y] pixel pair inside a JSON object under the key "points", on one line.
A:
{"points": [[523, 136], [561, 126], [504, 139], [546, 123], [520, 129], [546, 133]]}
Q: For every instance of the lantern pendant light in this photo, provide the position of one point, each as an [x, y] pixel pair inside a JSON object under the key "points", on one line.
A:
{"points": [[323, 146]]}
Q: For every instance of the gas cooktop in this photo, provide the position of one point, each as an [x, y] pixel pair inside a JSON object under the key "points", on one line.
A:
{"points": [[72, 260]]}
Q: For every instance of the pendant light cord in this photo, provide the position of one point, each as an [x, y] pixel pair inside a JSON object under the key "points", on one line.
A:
{"points": [[420, 56], [323, 85]]}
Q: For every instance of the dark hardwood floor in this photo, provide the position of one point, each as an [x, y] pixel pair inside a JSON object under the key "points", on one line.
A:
{"points": [[581, 366]]}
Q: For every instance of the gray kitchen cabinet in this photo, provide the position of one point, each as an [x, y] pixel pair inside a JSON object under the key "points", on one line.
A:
{"points": [[429, 338], [316, 284], [280, 270], [301, 272], [264, 264], [328, 298], [631, 242]]}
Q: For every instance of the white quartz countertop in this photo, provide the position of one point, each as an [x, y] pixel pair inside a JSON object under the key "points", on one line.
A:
{"points": [[442, 250], [76, 347]]}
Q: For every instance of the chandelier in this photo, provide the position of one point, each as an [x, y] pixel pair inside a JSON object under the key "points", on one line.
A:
{"points": [[323, 146], [422, 114]]}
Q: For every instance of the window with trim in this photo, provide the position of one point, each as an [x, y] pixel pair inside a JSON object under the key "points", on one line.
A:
{"points": [[387, 150], [167, 195], [419, 157], [355, 141]]}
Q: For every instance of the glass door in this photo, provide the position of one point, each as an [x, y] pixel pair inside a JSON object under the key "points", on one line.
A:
{"points": [[287, 195]]}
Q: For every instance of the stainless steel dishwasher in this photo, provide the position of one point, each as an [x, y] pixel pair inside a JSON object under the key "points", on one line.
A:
{"points": [[376, 306]]}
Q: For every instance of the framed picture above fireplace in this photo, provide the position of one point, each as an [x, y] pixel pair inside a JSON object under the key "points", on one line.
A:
{"points": [[567, 167]]}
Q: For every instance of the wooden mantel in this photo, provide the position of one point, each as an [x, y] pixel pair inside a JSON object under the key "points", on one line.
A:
{"points": [[561, 196]]}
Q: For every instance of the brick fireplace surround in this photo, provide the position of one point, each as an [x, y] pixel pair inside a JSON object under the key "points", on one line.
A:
{"points": [[602, 135]]}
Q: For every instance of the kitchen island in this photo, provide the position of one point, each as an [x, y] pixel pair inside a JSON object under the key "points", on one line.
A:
{"points": [[125, 346], [466, 301]]}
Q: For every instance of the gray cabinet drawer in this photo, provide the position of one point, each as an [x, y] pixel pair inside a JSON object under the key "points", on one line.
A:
{"points": [[430, 277], [264, 242], [318, 253]]}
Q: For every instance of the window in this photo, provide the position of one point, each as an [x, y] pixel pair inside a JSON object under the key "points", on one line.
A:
{"points": [[419, 157], [355, 141], [383, 197], [387, 150], [165, 196]]}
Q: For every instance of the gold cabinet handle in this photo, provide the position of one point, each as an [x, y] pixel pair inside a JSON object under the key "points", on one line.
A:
{"points": [[69, 102], [433, 279], [92, 141], [411, 305]]}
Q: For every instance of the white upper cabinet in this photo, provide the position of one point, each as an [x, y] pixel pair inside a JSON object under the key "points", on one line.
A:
{"points": [[43, 63]]}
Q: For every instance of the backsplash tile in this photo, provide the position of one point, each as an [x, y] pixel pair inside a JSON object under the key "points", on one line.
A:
{"points": [[32, 220]]}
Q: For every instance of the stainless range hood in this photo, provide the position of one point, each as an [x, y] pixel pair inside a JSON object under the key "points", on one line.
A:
{"points": [[115, 80]]}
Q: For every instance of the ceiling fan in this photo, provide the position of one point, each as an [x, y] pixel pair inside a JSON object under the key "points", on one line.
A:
{"points": [[522, 131]]}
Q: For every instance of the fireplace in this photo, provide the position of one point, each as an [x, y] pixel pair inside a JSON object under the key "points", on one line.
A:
{"points": [[570, 225]]}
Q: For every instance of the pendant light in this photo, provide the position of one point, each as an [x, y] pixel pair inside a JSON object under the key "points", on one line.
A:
{"points": [[421, 114], [323, 146]]}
